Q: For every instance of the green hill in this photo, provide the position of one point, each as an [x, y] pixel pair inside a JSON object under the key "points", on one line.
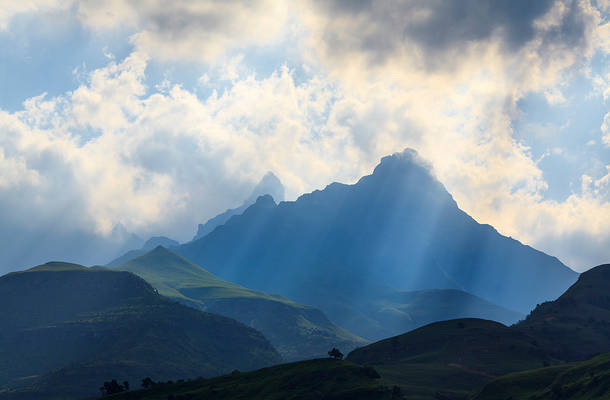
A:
{"points": [[576, 326], [295, 330], [66, 329], [450, 358], [579, 381], [313, 379], [392, 313]]}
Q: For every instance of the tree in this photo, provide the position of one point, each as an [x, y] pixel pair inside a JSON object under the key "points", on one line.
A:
{"points": [[147, 383], [112, 387], [335, 353]]}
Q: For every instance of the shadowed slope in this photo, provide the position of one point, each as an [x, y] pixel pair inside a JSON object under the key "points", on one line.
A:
{"points": [[576, 326], [585, 380], [450, 358], [296, 330], [314, 379], [67, 328]]}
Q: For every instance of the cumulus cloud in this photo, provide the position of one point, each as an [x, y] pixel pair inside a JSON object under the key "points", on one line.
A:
{"points": [[10, 8], [448, 80], [107, 154], [381, 76], [192, 30]]}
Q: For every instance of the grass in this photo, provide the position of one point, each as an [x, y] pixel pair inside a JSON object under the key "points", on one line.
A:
{"points": [[105, 324], [313, 379], [577, 381], [297, 331], [450, 359]]}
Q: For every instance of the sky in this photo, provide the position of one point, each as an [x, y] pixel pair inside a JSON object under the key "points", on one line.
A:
{"points": [[122, 118]]}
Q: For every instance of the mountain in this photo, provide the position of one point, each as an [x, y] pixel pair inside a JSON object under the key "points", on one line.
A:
{"points": [[295, 330], [579, 381], [270, 185], [66, 329], [313, 379], [395, 230], [450, 359], [394, 312], [453, 358], [576, 326], [148, 246]]}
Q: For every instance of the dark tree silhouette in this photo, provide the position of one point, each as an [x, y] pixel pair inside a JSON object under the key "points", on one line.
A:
{"points": [[112, 387], [126, 385], [335, 353], [147, 383]]}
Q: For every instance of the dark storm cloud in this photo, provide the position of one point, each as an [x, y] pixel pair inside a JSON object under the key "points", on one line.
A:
{"points": [[436, 27]]}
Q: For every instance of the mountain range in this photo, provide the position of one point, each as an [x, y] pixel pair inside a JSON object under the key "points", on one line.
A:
{"points": [[345, 247], [297, 331], [454, 358], [269, 185], [67, 328], [449, 360]]}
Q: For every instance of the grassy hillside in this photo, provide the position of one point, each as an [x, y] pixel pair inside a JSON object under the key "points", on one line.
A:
{"points": [[450, 358], [295, 330], [66, 329], [579, 381], [313, 379], [576, 326]]}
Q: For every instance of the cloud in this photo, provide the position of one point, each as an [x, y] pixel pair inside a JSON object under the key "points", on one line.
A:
{"points": [[191, 30], [109, 154], [380, 76], [9, 9], [447, 81]]}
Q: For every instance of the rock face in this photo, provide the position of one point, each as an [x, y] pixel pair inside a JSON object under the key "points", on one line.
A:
{"points": [[341, 248], [66, 329]]}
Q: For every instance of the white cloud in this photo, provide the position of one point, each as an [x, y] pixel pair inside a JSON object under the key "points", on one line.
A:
{"points": [[191, 30], [606, 130], [11, 8], [162, 162]]}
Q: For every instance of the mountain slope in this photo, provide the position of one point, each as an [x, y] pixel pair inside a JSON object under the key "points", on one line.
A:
{"points": [[148, 246], [579, 381], [313, 379], [270, 185], [397, 229], [576, 326], [296, 331], [451, 358], [67, 328]]}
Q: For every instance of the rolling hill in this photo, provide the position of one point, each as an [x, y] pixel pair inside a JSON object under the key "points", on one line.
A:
{"points": [[313, 379], [450, 359], [395, 230], [586, 380], [295, 330], [576, 326], [67, 328]]}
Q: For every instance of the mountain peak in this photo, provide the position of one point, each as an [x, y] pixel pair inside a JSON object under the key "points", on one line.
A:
{"points": [[157, 241], [269, 184], [407, 160], [265, 201]]}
